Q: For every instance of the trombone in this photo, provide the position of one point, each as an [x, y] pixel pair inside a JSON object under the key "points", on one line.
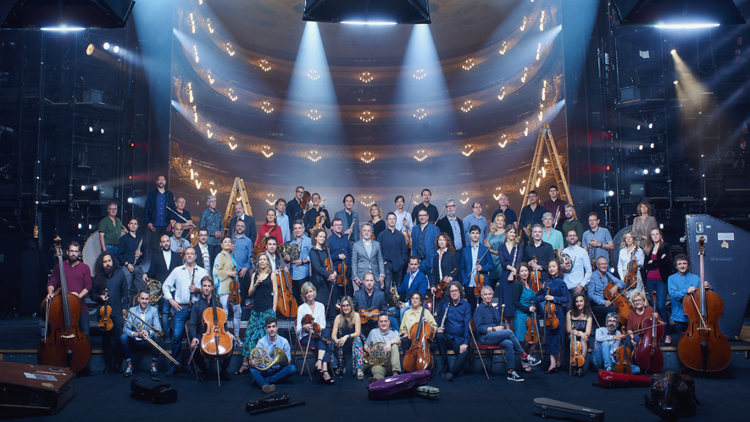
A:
{"points": [[139, 327]]}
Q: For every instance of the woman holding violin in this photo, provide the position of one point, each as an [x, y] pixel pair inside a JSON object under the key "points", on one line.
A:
{"points": [[525, 304], [630, 260], [314, 333], [264, 291], [510, 254], [269, 228], [225, 273], [494, 240], [322, 275], [444, 269], [376, 219], [657, 269], [551, 299], [578, 324], [346, 336]]}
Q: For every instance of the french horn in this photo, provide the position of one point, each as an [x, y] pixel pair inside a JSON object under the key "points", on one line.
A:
{"points": [[154, 288], [377, 356], [263, 361], [291, 249]]}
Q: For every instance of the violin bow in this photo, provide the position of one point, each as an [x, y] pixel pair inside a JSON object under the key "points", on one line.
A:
{"points": [[474, 340]]}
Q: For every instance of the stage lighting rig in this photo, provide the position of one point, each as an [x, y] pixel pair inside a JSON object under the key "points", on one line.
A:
{"points": [[68, 15], [678, 14], [367, 12]]}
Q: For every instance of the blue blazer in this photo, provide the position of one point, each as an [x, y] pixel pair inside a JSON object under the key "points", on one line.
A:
{"points": [[431, 234], [420, 284], [355, 218], [467, 264], [152, 317]]}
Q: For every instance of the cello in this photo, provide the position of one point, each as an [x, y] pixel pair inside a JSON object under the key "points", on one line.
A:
{"points": [[419, 357], [105, 311], [619, 300], [63, 344], [622, 354], [702, 346], [215, 343], [647, 353], [288, 305]]}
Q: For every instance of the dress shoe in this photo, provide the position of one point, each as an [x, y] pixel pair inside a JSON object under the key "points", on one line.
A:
{"points": [[448, 376], [107, 369], [201, 377], [551, 371], [268, 388], [154, 371], [172, 371], [117, 369], [224, 375]]}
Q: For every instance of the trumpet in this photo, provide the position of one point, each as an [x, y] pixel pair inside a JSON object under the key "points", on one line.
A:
{"points": [[138, 323]]}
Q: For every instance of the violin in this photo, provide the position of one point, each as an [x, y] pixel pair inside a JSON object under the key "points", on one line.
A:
{"points": [[576, 351], [288, 304], [536, 279], [261, 246], [702, 346], [216, 342], [479, 278], [405, 230], [367, 316], [309, 319], [341, 279], [234, 290], [619, 300], [305, 204], [532, 332], [631, 278], [419, 357], [105, 311], [623, 365], [63, 344], [320, 220], [329, 262], [647, 353], [550, 314], [440, 288]]}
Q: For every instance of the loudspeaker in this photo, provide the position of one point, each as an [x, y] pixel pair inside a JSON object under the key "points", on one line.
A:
{"points": [[38, 14]]}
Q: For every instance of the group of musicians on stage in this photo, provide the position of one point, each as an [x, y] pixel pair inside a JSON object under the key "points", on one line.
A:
{"points": [[398, 264]]}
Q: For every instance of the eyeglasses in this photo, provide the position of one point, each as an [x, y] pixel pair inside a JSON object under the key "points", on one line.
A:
{"points": [[300, 191]]}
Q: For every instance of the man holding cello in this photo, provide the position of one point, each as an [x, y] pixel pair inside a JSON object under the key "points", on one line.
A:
{"points": [[197, 328]]}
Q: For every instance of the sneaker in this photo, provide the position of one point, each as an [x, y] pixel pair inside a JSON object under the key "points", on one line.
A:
{"points": [[154, 371], [360, 375], [609, 369], [128, 372], [513, 376], [531, 360], [268, 388], [172, 371]]}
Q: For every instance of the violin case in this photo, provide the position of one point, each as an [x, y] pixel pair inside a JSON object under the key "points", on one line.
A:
{"points": [[548, 408], [672, 395], [154, 390], [33, 390], [399, 385], [617, 380]]}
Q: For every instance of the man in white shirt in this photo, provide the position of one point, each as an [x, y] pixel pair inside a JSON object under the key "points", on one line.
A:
{"points": [[283, 220], [578, 271], [403, 218]]}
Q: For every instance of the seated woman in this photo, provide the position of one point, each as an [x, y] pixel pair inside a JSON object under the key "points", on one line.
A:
{"points": [[411, 317], [640, 312], [578, 324], [307, 335], [347, 328]]}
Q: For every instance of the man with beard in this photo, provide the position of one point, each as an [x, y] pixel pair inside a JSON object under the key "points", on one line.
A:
{"points": [[131, 255], [111, 289], [239, 215], [156, 213], [212, 220], [78, 282], [161, 266], [452, 225], [204, 256], [196, 329]]}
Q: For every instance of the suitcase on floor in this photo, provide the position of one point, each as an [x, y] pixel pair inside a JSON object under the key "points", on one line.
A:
{"points": [[33, 390], [548, 408], [616, 380], [402, 384], [155, 391]]}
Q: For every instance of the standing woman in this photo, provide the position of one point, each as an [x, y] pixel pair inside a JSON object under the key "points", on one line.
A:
{"points": [[644, 223], [324, 282], [269, 228], [626, 256], [264, 291], [225, 272], [524, 300], [376, 219], [347, 328], [306, 335], [510, 255], [578, 323], [658, 268], [493, 241], [444, 266], [558, 294]]}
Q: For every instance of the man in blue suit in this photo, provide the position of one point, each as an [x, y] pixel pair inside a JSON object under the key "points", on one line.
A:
{"points": [[414, 280], [474, 259], [423, 238], [135, 332]]}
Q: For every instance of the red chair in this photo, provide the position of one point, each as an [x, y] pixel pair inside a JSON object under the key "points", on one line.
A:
{"points": [[489, 349]]}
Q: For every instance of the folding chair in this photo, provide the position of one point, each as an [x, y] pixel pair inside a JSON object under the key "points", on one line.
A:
{"points": [[480, 348]]}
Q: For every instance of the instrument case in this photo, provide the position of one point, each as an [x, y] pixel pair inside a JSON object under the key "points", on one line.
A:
{"points": [[32, 390], [153, 390], [548, 408], [398, 385], [616, 380], [271, 400]]}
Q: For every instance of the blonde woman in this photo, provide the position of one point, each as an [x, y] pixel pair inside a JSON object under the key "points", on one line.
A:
{"points": [[347, 328], [376, 219], [494, 240], [225, 272], [264, 291], [627, 255], [307, 335]]}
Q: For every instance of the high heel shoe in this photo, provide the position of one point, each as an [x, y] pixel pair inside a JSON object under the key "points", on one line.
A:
{"points": [[551, 371]]}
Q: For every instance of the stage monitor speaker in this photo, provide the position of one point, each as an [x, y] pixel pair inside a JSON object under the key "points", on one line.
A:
{"points": [[392, 11], [33, 390], [57, 14], [725, 265]]}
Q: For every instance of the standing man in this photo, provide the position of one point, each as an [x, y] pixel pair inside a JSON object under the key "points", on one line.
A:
{"points": [[531, 214], [129, 253], [597, 241], [294, 208], [474, 260], [109, 286], [110, 229], [452, 225], [393, 247], [538, 253], [197, 329], [313, 213], [212, 221], [204, 256], [423, 238], [341, 251], [414, 281], [283, 221], [504, 208], [184, 280], [181, 215], [679, 285], [250, 231], [350, 218], [432, 211], [475, 219], [300, 267], [571, 222], [578, 271], [555, 206], [177, 243], [404, 220], [549, 234], [155, 211], [162, 265], [367, 258], [266, 378], [371, 300], [78, 281], [243, 250], [453, 331]]}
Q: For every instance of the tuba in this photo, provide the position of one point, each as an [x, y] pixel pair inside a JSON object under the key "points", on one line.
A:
{"points": [[377, 356], [263, 361], [154, 288]]}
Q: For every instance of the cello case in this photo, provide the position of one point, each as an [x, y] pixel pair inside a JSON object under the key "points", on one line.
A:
{"points": [[398, 385], [672, 395], [616, 380]]}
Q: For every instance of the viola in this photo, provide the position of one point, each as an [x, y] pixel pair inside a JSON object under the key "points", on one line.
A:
{"points": [[532, 332], [619, 300], [419, 357], [479, 278], [536, 279], [63, 344], [105, 311], [309, 319], [234, 292], [216, 342], [305, 204], [550, 314], [576, 351], [623, 358], [288, 304], [702, 346], [341, 270], [631, 278]]}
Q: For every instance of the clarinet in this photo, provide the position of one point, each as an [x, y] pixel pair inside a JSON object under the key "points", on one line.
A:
{"points": [[340, 355]]}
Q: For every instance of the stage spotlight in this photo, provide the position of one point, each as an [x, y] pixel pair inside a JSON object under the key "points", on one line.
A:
{"points": [[68, 15], [80, 226], [105, 46], [89, 226], [657, 170], [94, 188], [650, 125], [640, 147], [638, 127], [116, 49], [366, 12], [91, 129], [102, 131], [130, 200], [661, 226], [611, 193], [652, 145], [645, 171], [90, 49], [83, 187], [678, 14], [673, 51]]}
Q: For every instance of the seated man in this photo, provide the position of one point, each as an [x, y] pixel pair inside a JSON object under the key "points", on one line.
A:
{"points": [[600, 306], [412, 317], [453, 332], [267, 377], [197, 329], [136, 331], [608, 339], [391, 341], [414, 281], [371, 300], [490, 330]]}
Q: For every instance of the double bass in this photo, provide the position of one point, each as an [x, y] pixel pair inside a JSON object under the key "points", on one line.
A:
{"points": [[702, 346], [63, 344], [647, 354], [287, 304], [419, 357]]}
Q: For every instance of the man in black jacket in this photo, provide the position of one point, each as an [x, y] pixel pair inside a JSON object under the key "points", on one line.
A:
{"points": [[161, 266], [393, 247], [452, 225], [109, 286], [197, 329], [370, 299], [156, 213]]}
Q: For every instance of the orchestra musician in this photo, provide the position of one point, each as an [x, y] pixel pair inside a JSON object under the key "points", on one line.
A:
{"points": [[549, 234], [323, 280], [270, 342], [346, 336], [453, 226], [294, 207], [306, 333], [184, 280], [555, 206], [475, 260], [370, 299], [181, 215], [212, 220], [492, 331], [341, 252], [412, 316], [414, 281], [578, 270], [395, 253], [475, 219], [495, 238], [423, 236], [224, 273], [273, 255], [445, 267], [239, 215], [644, 223], [204, 254], [264, 291], [680, 284], [597, 241], [109, 286], [453, 331], [132, 337], [578, 322], [197, 328], [367, 258], [524, 300], [595, 289], [269, 228], [349, 218], [283, 220], [404, 220], [538, 253], [177, 243], [510, 254], [110, 229], [657, 269], [299, 267], [162, 265], [432, 211], [391, 340], [640, 312], [313, 213], [242, 254], [376, 220], [571, 222], [627, 255], [558, 294], [155, 211], [608, 339], [530, 214], [131, 258], [505, 210]]}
